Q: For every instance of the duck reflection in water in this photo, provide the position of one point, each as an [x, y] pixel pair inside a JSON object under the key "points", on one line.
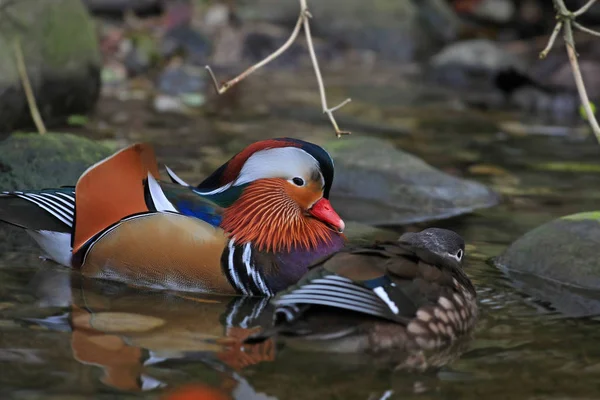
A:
{"points": [[127, 331]]}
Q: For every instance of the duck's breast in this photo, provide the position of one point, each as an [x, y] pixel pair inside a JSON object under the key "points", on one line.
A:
{"points": [[160, 250]]}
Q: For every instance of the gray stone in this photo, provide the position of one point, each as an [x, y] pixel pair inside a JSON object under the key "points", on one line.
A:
{"points": [[377, 184], [60, 51], [481, 54], [564, 250]]}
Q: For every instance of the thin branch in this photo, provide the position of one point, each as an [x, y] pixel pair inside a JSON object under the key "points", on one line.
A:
{"points": [[33, 109], [583, 9], [313, 57], [303, 21], [570, 45], [566, 23], [227, 85], [582, 28], [548, 47]]}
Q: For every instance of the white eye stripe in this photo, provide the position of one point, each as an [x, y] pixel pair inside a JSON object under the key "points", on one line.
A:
{"points": [[282, 162]]}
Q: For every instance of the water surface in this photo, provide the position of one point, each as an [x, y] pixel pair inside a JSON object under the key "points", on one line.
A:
{"points": [[63, 337]]}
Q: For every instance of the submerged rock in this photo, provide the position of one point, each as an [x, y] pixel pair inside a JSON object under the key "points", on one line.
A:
{"points": [[377, 184], [62, 59], [33, 161], [564, 250], [472, 64], [558, 264]]}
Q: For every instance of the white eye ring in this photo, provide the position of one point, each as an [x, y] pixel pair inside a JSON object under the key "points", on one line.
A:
{"points": [[298, 181], [459, 254]]}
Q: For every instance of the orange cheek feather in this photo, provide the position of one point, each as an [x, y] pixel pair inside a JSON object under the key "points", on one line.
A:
{"points": [[305, 196], [310, 198]]}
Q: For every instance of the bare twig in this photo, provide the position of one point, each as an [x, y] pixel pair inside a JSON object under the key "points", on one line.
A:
{"points": [[570, 45], [303, 21], [566, 22], [33, 109], [315, 63], [582, 28], [227, 85], [546, 50], [583, 9]]}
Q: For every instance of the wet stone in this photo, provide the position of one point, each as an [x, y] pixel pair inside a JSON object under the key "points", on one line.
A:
{"points": [[557, 263], [378, 184]]}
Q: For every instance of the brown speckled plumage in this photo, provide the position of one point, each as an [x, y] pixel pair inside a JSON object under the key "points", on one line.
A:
{"points": [[408, 295]]}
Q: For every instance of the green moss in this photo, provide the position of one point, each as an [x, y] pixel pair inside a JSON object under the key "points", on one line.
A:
{"points": [[69, 35], [568, 167], [57, 34], [590, 215], [33, 161]]}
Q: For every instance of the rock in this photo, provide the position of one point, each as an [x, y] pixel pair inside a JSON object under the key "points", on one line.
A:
{"points": [[358, 233], [564, 250], [396, 30], [557, 264], [472, 63], [499, 11], [377, 184], [33, 161], [60, 51]]}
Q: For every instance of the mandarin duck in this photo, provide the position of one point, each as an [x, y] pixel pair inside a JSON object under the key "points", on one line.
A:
{"points": [[250, 228], [409, 295]]}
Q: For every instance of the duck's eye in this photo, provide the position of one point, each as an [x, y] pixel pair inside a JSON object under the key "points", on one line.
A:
{"points": [[459, 254], [298, 181]]}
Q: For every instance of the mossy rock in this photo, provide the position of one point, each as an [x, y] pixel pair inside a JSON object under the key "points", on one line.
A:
{"points": [[378, 184], [33, 161], [565, 250], [60, 50]]}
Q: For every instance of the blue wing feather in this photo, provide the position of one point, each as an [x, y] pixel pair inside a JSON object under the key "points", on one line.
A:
{"points": [[192, 204]]}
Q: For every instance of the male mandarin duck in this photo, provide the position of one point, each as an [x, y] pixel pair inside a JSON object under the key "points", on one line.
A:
{"points": [[251, 228], [409, 295]]}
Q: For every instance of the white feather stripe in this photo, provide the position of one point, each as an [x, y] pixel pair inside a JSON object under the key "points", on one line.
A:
{"points": [[287, 313], [383, 295], [217, 190], [158, 196], [70, 204], [337, 278], [348, 294], [175, 178], [353, 307], [232, 270], [355, 290], [268, 163], [69, 197], [342, 284], [53, 204], [253, 272], [48, 209], [340, 300]]}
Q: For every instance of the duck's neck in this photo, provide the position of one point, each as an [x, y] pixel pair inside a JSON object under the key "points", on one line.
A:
{"points": [[292, 265], [265, 216]]}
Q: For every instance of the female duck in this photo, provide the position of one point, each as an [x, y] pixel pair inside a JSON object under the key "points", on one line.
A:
{"points": [[250, 228], [408, 295]]}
